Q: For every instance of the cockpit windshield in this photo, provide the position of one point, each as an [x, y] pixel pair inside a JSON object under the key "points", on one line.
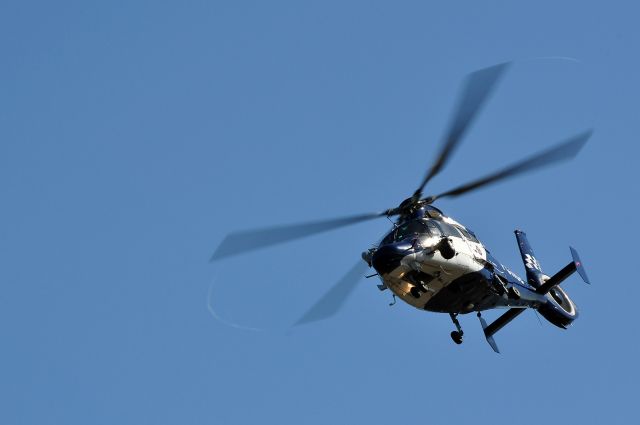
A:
{"points": [[424, 227], [414, 227], [418, 227]]}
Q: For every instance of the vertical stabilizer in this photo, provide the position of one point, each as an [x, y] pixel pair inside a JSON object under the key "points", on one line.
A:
{"points": [[531, 264]]}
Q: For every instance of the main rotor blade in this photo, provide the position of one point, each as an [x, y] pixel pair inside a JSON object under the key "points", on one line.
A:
{"points": [[249, 240], [477, 89], [560, 152], [335, 298]]}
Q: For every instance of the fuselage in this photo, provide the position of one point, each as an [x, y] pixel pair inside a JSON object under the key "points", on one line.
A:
{"points": [[434, 263]]}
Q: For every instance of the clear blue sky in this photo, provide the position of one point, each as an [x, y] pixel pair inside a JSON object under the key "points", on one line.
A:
{"points": [[135, 135]]}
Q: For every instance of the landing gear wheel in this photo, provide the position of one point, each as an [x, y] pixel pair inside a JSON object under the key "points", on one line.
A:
{"points": [[456, 336]]}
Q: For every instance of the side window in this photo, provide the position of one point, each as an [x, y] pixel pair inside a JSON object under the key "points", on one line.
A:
{"points": [[467, 234], [473, 236], [448, 230]]}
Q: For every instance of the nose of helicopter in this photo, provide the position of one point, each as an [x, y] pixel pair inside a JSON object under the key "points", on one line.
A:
{"points": [[388, 257]]}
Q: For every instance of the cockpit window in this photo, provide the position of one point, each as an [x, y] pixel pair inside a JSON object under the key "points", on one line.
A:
{"points": [[411, 228], [434, 230]]}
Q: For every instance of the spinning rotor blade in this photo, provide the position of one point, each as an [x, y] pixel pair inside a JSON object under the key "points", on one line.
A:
{"points": [[249, 240], [560, 152], [477, 89], [335, 298]]}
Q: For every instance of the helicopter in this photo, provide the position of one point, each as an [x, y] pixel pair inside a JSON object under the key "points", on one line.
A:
{"points": [[433, 262]]}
